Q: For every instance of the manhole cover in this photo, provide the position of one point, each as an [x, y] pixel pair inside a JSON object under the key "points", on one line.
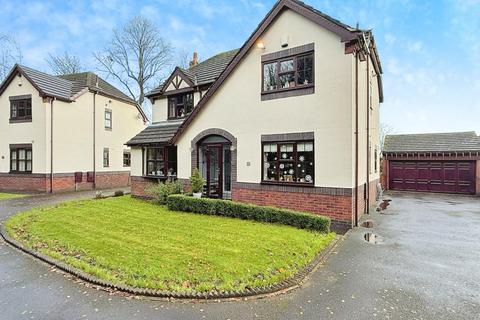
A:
{"points": [[367, 224], [372, 238]]}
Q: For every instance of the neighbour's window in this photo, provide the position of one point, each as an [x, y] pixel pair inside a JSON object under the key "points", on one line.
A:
{"points": [[287, 73], [127, 158], [161, 162], [180, 106], [376, 160], [108, 119], [21, 159], [106, 157], [288, 162], [20, 109]]}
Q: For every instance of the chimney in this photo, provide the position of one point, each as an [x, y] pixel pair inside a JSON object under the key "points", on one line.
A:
{"points": [[194, 61]]}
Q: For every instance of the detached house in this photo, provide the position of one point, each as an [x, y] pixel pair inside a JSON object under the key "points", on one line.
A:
{"points": [[61, 133], [290, 119]]}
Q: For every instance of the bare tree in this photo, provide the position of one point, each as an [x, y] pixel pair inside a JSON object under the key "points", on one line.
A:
{"points": [[65, 64], [183, 59], [135, 57], [10, 53], [385, 130]]}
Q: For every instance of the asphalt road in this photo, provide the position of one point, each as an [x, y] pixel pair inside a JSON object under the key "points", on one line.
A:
{"points": [[426, 265]]}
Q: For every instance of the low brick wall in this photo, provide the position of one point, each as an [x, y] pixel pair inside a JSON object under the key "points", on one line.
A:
{"points": [[138, 186], [62, 182]]}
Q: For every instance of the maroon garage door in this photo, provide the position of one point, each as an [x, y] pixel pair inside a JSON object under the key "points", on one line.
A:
{"points": [[433, 176]]}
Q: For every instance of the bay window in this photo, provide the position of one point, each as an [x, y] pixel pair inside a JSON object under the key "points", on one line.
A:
{"points": [[288, 162], [161, 162]]}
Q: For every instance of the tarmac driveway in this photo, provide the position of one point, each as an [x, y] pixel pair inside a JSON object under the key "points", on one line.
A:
{"points": [[426, 267]]}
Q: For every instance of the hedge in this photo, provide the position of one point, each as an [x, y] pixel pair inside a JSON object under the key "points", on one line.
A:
{"points": [[248, 212]]}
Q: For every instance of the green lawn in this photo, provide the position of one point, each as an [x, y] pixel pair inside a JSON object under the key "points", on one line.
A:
{"points": [[135, 242], [5, 196]]}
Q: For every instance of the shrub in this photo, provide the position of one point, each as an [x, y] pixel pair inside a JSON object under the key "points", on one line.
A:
{"points": [[119, 193], [232, 209], [196, 181], [160, 191]]}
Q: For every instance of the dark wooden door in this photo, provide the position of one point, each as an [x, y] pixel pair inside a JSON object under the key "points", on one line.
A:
{"points": [[433, 176], [213, 161]]}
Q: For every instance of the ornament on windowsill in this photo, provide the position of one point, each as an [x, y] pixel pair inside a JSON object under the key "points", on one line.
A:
{"points": [[291, 171], [308, 178]]}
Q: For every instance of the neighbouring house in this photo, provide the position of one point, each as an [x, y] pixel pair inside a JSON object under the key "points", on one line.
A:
{"points": [[62, 133], [291, 119], [432, 162]]}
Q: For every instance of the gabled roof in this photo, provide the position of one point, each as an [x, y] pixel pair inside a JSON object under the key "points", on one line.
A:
{"points": [[346, 33], [157, 133], [432, 142], [46, 84], [92, 81], [204, 73]]}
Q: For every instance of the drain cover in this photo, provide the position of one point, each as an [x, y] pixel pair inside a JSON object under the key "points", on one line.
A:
{"points": [[372, 238]]}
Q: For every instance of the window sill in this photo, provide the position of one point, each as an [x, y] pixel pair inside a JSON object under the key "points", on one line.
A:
{"points": [[288, 92], [20, 172], [287, 184], [159, 177], [20, 120]]}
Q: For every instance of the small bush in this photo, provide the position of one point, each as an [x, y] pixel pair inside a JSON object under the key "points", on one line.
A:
{"points": [[248, 212], [119, 193], [196, 181], [160, 191]]}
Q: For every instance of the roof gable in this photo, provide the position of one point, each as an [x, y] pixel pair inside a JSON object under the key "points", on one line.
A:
{"points": [[346, 34], [47, 85]]}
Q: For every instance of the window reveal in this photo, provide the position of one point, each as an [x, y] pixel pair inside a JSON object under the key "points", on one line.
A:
{"points": [[288, 162]]}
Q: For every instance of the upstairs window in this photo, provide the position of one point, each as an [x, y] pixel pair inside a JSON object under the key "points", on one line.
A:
{"points": [[179, 106], [21, 159], [288, 73], [288, 162], [108, 119], [21, 109]]}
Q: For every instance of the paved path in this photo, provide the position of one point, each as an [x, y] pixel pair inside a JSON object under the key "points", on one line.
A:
{"points": [[427, 267]]}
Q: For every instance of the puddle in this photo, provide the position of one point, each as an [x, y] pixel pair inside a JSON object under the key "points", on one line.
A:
{"points": [[372, 238], [367, 224]]}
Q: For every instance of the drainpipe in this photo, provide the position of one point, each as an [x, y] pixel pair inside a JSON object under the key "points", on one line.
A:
{"points": [[51, 144], [94, 141], [368, 136], [356, 139]]}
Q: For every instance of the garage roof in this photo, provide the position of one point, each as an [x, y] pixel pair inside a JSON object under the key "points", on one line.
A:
{"points": [[432, 142]]}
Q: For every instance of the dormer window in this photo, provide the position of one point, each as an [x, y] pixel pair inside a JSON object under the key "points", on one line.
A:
{"points": [[179, 106]]}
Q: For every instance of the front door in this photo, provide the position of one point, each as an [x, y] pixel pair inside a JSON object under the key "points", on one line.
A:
{"points": [[211, 168]]}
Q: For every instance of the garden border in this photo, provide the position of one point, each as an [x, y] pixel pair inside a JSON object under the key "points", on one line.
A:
{"points": [[283, 286]]}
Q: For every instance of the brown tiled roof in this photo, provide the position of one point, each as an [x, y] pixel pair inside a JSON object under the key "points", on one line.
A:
{"points": [[204, 73], [157, 133], [432, 142]]}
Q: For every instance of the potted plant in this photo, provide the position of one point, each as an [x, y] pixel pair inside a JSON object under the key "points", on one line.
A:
{"points": [[196, 183]]}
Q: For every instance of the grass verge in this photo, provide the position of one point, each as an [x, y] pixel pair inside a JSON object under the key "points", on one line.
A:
{"points": [[5, 196], [137, 243]]}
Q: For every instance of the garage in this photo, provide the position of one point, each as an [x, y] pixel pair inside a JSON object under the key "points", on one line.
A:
{"points": [[437, 162], [433, 176]]}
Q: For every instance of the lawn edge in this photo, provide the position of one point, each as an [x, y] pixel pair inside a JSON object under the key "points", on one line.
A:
{"points": [[282, 287]]}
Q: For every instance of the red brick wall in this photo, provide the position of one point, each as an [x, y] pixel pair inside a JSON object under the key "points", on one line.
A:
{"points": [[336, 207], [18, 182], [61, 182], [138, 186], [478, 178], [112, 179]]}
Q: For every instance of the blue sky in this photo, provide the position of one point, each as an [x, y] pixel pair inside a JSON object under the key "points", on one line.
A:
{"points": [[430, 50]]}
